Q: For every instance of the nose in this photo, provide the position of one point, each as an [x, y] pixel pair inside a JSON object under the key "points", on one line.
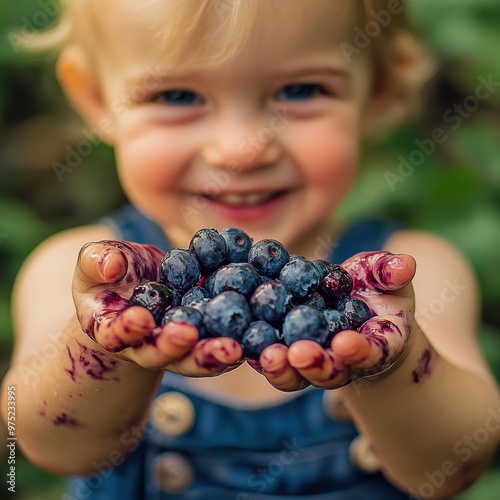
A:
{"points": [[243, 142]]}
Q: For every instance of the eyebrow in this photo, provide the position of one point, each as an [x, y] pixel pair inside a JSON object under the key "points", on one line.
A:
{"points": [[317, 70], [160, 79]]}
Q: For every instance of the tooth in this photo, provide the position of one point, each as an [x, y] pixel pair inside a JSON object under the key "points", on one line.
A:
{"points": [[253, 199], [243, 199], [233, 199]]}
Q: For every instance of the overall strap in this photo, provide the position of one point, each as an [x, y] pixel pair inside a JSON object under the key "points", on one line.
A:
{"points": [[131, 225], [364, 236]]}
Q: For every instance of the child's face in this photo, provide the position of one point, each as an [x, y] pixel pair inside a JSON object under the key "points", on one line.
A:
{"points": [[267, 141]]}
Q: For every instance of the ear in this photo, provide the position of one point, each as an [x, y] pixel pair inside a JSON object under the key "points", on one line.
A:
{"points": [[79, 81], [397, 85], [380, 106]]}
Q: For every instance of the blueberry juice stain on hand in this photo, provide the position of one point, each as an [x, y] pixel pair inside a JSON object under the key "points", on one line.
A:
{"points": [[87, 362], [256, 293], [109, 302], [423, 368]]}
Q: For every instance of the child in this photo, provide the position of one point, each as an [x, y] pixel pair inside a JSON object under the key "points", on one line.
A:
{"points": [[246, 114]]}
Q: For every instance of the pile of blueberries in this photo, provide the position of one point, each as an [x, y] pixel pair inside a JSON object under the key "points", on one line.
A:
{"points": [[258, 294]]}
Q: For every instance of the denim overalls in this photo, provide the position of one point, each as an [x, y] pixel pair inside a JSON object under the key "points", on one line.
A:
{"points": [[200, 449]]}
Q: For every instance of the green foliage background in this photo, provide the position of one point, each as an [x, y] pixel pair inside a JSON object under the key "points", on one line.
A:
{"points": [[455, 192]]}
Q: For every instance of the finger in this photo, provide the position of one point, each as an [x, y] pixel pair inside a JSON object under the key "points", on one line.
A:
{"points": [[380, 271], [143, 260], [98, 264], [278, 371], [352, 347], [163, 346], [176, 340], [394, 271], [209, 357], [382, 340], [118, 330], [317, 365]]}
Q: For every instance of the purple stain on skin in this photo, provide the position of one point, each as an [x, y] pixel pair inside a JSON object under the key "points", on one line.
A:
{"points": [[90, 362], [423, 367], [377, 332], [383, 271], [226, 351], [208, 363], [143, 259], [72, 371], [65, 419], [143, 265], [43, 410], [111, 303], [112, 300], [318, 362], [362, 275], [150, 339], [376, 270]]}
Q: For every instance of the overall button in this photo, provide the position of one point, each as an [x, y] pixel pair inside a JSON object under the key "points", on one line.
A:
{"points": [[173, 472], [335, 408], [172, 413], [362, 455]]}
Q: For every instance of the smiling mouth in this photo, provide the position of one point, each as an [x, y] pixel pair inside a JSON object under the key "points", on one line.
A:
{"points": [[244, 199]]}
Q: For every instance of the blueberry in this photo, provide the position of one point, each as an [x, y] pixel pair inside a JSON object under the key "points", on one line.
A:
{"points": [[268, 257], [227, 315], [200, 305], [179, 269], [177, 297], [355, 310], [305, 322], [300, 276], [337, 322], [194, 293], [208, 284], [238, 244], [271, 301], [315, 300], [257, 337], [210, 249], [186, 314], [265, 279], [240, 277], [322, 267], [154, 296], [336, 283]]}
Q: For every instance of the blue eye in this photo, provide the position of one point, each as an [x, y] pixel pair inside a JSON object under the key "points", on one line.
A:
{"points": [[180, 98], [300, 91]]}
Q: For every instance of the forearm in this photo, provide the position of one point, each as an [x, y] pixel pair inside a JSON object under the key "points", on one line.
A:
{"points": [[427, 418], [77, 405]]}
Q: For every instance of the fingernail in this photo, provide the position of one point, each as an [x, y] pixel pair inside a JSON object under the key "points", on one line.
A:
{"points": [[394, 261]]}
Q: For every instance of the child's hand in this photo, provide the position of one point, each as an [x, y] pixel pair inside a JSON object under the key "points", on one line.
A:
{"points": [[105, 276], [380, 279]]}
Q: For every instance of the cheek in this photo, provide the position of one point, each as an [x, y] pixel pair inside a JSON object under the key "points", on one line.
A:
{"points": [[149, 163], [328, 153]]}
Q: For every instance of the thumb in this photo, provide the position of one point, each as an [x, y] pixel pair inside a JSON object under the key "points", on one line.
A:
{"points": [[380, 271], [99, 263]]}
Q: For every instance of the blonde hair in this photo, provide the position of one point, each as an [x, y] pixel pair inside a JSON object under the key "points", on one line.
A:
{"points": [[397, 54]]}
